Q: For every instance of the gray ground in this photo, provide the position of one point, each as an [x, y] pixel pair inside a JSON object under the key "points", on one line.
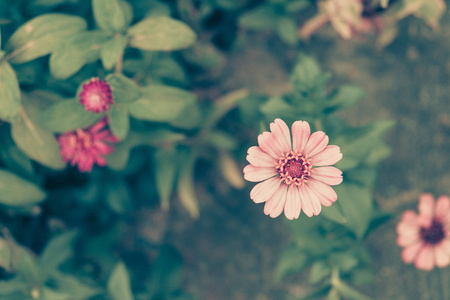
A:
{"points": [[231, 251]]}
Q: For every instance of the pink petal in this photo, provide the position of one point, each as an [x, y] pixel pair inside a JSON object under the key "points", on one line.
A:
{"points": [[324, 192], [310, 203], [264, 191], [269, 143], [274, 206], [443, 208], [426, 209], [281, 132], [410, 253], [300, 135], [293, 205], [442, 255], [425, 258], [259, 158], [328, 175], [316, 143], [255, 174], [406, 240], [331, 155]]}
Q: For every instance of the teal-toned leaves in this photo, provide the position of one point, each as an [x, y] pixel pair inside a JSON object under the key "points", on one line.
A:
{"points": [[186, 188], [287, 30], [262, 17], [124, 89], [112, 50], [345, 97], [109, 15], [66, 116], [230, 170], [307, 74], [165, 162], [119, 120], [356, 205], [56, 252], [77, 50], [119, 283], [9, 92], [161, 103], [36, 142], [319, 271], [16, 191], [161, 33], [41, 35], [292, 260]]}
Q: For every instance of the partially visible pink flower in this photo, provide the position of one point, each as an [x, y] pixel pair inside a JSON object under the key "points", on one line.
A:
{"points": [[426, 236], [86, 147], [296, 175], [96, 96], [344, 15]]}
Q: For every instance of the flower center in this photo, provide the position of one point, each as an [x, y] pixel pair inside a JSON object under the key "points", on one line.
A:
{"points": [[294, 168], [85, 139], [433, 234]]}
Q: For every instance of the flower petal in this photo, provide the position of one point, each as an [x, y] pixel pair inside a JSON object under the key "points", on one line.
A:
{"points": [[443, 209], [274, 206], [425, 258], [255, 174], [324, 192], [316, 143], [281, 132], [328, 175], [442, 255], [293, 205], [426, 209], [269, 143], [410, 253], [264, 191], [310, 203], [259, 158], [406, 240], [331, 155], [300, 135]]}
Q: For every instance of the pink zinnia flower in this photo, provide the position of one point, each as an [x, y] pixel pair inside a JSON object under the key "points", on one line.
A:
{"points": [[96, 96], [426, 237], [295, 176], [85, 147]]}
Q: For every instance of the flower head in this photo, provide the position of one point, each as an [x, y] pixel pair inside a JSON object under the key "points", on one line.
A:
{"points": [[96, 95], [426, 236], [296, 175], [85, 147]]}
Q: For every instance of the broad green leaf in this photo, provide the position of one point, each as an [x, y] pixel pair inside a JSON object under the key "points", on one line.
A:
{"points": [[306, 73], [166, 274], [346, 96], [49, 294], [124, 89], [348, 292], [165, 162], [186, 188], [66, 116], [77, 50], [74, 287], [319, 271], [111, 51], [357, 206], [345, 261], [41, 35], [9, 92], [8, 287], [57, 251], [28, 269], [109, 15], [262, 17], [334, 213], [6, 249], [118, 197], [51, 3], [221, 140], [230, 170], [119, 121], [292, 260], [119, 283], [37, 143], [161, 103], [161, 34], [287, 30]]}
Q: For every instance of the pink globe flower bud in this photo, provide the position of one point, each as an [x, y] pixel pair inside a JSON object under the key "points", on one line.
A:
{"points": [[96, 96]]}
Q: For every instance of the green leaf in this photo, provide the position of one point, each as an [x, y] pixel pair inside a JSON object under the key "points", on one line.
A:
{"points": [[223, 105], [165, 161], [37, 143], [118, 197], [28, 269], [345, 261], [348, 292], [262, 17], [161, 34], [319, 271], [9, 92], [334, 213], [166, 275], [357, 206], [345, 97], [292, 260], [6, 254], [66, 116], [161, 103], [186, 188], [109, 15], [230, 170], [119, 121], [41, 35], [57, 251], [287, 30], [124, 89], [306, 73], [77, 50], [119, 283], [74, 287], [111, 51], [221, 140]]}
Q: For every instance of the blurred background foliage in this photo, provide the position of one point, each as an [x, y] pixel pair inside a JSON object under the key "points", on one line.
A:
{"points": [[67, 235]]}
